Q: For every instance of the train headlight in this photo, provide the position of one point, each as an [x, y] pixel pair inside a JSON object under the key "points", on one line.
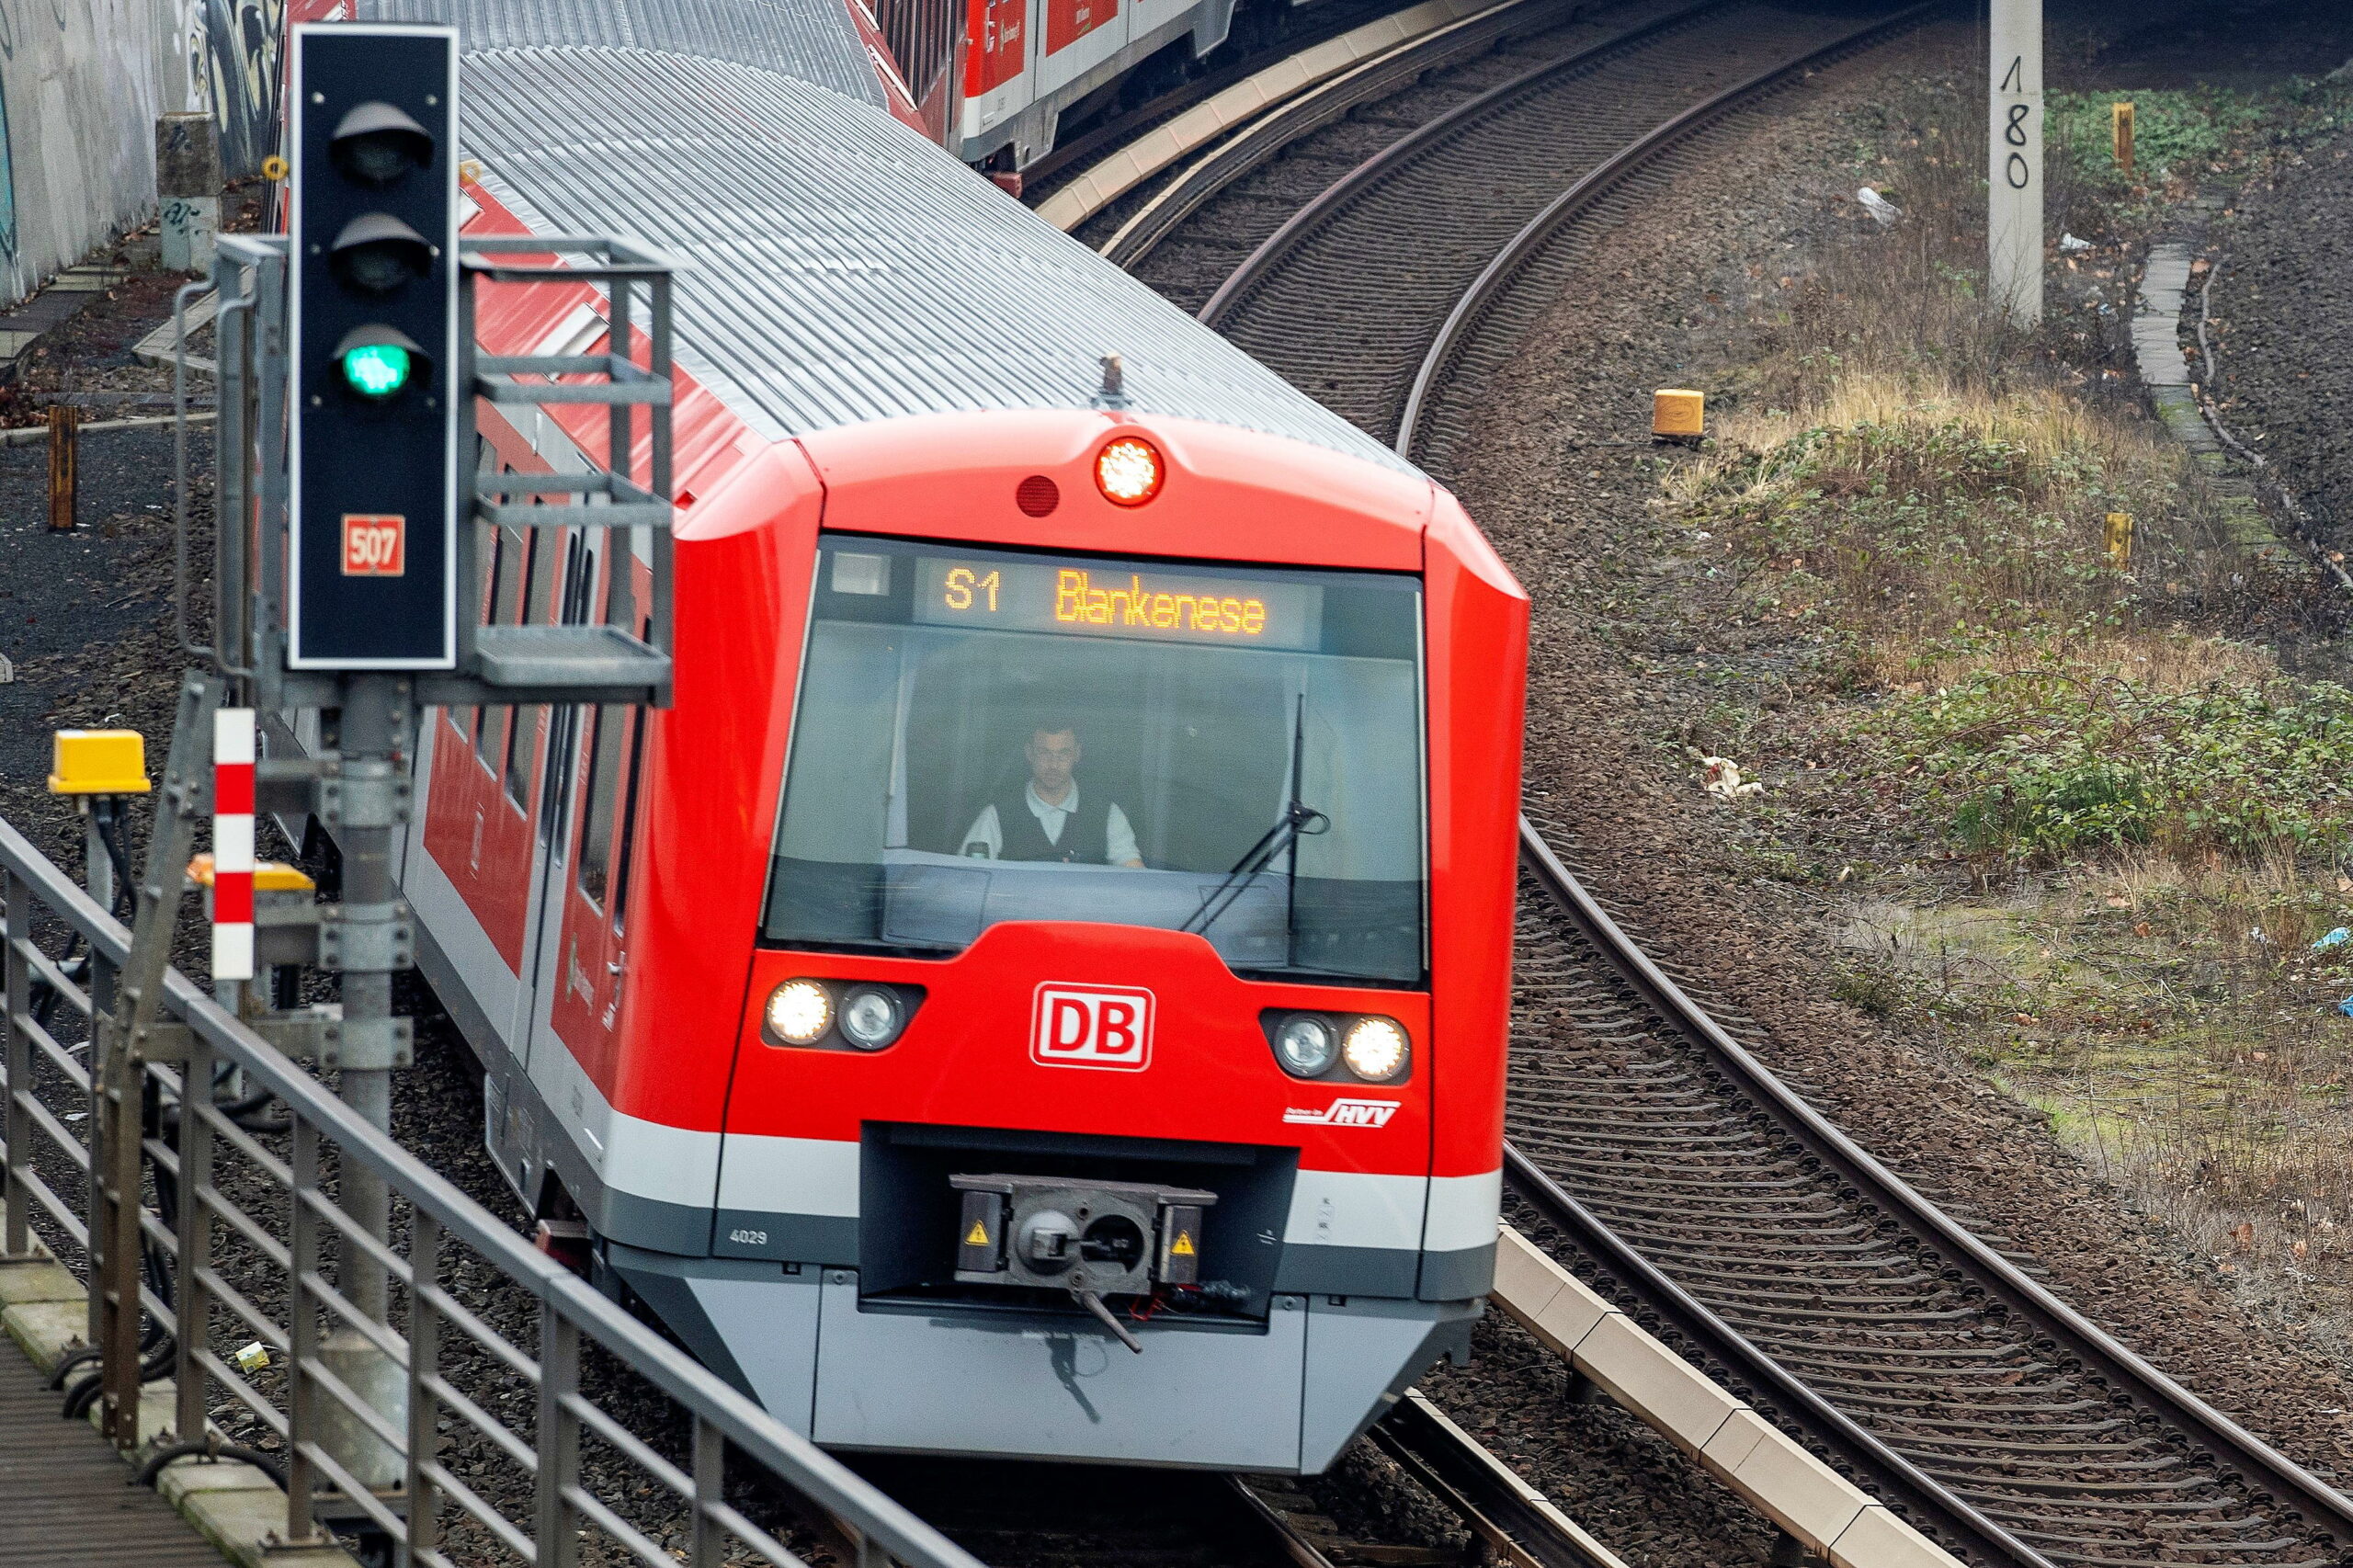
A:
{"points": [[800, 1011], [872, 1016], [1306, 1046], [1127, 471], [1375, 1050]]}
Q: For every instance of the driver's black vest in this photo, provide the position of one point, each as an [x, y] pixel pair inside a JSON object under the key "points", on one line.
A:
{"points": [[1085, 833]]}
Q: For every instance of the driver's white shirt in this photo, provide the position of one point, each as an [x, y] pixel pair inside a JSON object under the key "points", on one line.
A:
{"points": [[1119, 838]]}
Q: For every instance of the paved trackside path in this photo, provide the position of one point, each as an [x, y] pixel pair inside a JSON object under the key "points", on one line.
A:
{"points": [[65, 1500]]}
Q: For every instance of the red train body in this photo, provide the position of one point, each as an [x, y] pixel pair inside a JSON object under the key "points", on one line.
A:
{"points": [[895, 1117]]}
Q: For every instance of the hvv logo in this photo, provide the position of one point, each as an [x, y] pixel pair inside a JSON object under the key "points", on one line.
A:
{"points": [[1346, 1113], [1092, 1026]]}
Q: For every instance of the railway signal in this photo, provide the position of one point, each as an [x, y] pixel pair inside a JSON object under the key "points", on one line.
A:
{"points": [[373, 286]]}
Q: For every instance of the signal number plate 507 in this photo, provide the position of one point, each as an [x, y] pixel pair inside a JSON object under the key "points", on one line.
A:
{"points": [[375, 545], [1092, 1026]]}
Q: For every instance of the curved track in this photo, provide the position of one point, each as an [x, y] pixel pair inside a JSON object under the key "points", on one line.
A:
{"points": [[1708, 1191], [1649, 1145], [1274, 132], [1213, 215], [1347, 297]]}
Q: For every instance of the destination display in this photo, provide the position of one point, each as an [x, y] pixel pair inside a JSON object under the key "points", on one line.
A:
{"points": [[1099, 600]]}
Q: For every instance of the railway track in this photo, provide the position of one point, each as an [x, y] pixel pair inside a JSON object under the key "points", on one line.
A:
{"points": [[1029, 1515], [1391, 290], [1668, 1161], [1511, 27], [1649, 1148], [1210, 217]]}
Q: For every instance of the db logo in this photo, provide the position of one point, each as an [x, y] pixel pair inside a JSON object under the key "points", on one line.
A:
{"points": [[374, 545], [1099, 1026]]}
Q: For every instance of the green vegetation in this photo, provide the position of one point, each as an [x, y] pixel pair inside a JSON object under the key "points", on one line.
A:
{"points": [[2060, 759], [2182, 130], [2039, 704]]}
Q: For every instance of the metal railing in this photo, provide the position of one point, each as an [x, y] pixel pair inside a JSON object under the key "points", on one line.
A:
{"points": [[568, 1422]]}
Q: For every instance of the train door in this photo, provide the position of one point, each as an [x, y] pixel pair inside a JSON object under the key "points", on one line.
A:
{"points": [[557, 976], [998, 80], [588, 889], [1076, 37], [477, 829]]}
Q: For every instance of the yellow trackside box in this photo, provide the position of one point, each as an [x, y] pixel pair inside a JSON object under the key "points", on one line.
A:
{"points": [[98, 761], [269, 876], [1679, 414]]}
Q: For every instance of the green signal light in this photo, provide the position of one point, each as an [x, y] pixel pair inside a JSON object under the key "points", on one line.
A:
{"points": [[378, 369]]}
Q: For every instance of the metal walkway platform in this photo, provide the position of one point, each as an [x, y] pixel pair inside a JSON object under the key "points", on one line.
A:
{"points": [[65, 1500]]}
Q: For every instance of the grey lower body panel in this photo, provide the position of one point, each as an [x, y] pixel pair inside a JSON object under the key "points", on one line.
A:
{"points": [[1456, 1275], [1284, 1396]]}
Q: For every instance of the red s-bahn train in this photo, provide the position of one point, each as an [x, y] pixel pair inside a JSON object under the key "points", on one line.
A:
{"points": [[1068, 905]]}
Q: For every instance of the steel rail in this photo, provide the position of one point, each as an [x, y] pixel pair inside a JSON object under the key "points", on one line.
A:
{"points": [[1532, 236], [1515, 1523], [1264, 138], [1927, 1504], [1520, 1527], [1303, 1552], [1297, 228], [2241, 1454]]}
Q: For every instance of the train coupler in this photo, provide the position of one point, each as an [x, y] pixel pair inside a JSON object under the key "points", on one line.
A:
{"points": [[1093, 1239]]}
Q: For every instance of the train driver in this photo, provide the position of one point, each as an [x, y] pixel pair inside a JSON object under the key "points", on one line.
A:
{"points": [[1049, 820]]}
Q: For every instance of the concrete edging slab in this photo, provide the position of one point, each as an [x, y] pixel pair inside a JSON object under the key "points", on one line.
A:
{"points": [[1830, 1515]]}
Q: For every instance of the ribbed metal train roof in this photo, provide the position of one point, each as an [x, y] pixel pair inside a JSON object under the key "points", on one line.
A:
{"points": [[812, 40], [841, 269]]}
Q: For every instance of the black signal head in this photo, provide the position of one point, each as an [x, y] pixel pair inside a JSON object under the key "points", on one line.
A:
{"points": [[378, 252], [377, 144]]}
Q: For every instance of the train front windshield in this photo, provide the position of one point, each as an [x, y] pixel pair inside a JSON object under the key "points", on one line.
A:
{"points": [[987, 735]]}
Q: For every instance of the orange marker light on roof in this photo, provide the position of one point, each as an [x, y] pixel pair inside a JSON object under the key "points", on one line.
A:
{"points": [[1127, 471]]}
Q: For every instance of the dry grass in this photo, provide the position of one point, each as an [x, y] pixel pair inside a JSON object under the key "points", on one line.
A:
{"points": [[2185, 1034], [2174, 1023], [2167, 662], [1901, 506], [2057, 438]]}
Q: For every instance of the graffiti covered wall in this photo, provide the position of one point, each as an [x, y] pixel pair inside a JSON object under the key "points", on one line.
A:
{"points": [[81, 83], [234, 66]]}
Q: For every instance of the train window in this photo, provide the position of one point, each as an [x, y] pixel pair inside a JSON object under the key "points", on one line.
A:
{"points": [[492, 726], [986, 735], [556, 796], [619, 909], [596, 832], [523, 723]]}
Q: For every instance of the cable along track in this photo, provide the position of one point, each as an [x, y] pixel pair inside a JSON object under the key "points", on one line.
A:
{"points": [[1723, 1203]]}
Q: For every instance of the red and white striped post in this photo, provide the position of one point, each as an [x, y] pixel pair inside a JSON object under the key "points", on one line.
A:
{"points": [[233, 844]]}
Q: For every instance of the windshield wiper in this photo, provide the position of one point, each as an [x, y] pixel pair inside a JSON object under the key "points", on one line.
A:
{"points": [[1298, 820]]}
